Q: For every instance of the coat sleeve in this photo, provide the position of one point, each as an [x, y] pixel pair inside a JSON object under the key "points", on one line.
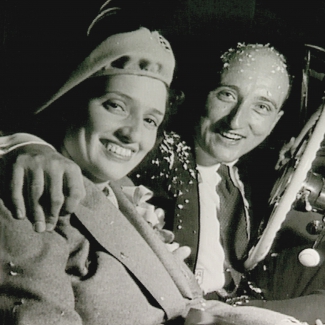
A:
{"points": [[34, 287], [291, 288]]}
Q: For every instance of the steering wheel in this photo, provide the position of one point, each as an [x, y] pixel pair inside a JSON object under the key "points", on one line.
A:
{"points": [[292, 185]]}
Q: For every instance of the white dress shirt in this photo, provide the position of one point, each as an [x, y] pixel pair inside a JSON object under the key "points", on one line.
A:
{"points": [[210, 265], [209, 269]]}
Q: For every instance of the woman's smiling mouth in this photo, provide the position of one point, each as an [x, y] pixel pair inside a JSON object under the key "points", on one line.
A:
{"points": [[116, 149]]}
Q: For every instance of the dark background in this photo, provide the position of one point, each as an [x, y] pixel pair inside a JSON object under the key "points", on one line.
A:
{"points": [[41, 39]]}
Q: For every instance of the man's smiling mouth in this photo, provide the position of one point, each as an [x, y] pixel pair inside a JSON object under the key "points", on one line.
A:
{"points": [[232, 136], [116, 149]]}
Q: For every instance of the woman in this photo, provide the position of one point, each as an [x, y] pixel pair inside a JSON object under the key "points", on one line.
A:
{"points": [[110, 124]]}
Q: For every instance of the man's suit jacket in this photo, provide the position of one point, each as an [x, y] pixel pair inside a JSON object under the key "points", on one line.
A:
{"points": [[170, 173], [100, 266]]}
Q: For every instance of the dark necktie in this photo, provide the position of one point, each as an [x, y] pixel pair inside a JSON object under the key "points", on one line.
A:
{"points": [[232, 219]]}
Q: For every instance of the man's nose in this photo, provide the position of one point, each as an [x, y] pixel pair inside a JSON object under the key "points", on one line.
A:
{"points": [[131, 131], [238, 116]]}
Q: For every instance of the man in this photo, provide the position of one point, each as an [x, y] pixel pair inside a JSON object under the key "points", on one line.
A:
{"points": [[240, 113]]}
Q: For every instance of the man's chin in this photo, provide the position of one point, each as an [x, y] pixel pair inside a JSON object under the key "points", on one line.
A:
{"points": [[226, 158]]}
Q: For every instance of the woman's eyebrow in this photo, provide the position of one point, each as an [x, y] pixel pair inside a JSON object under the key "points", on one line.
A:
{"points": [[116, 92], [156, 111]]}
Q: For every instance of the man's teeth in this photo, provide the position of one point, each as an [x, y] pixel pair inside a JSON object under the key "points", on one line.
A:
{"points": [[118, 150], [231, 136]]}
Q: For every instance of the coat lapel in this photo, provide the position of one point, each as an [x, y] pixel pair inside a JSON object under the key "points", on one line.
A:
{"points": [[174, 267], [114, 232]]}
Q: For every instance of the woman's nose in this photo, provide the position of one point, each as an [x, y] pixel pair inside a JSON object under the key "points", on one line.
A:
{"points": [[130, 132]]}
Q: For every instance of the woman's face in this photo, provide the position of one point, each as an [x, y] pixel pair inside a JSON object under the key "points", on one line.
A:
{"points": [[120, 128]]}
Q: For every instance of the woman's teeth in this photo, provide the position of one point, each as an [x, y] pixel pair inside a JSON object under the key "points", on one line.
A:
{"points": [[118, 150]]}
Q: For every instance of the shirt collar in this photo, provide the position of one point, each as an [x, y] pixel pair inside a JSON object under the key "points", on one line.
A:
{"points": [[216, 166]]}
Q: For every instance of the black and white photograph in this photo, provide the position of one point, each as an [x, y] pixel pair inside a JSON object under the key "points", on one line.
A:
{"points": [[162, 162]]}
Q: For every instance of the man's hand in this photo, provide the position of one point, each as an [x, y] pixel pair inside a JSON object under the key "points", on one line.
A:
{"points": [[43, 185]]}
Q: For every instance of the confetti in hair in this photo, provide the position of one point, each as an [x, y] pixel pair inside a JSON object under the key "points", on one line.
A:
{"points": [[246, 51]]}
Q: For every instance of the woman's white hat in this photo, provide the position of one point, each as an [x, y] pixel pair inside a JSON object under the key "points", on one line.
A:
{"points": [[140, 52]]}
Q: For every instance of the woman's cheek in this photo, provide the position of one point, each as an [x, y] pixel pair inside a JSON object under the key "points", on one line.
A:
{"points": [[150, 141]]}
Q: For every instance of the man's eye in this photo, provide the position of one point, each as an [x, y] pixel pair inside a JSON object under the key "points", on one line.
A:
{"points": [[114, 107], [226, 95], [263, 108]]}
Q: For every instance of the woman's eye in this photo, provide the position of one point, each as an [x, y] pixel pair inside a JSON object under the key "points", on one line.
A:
{"points": [[114, 107], [151, 122]]}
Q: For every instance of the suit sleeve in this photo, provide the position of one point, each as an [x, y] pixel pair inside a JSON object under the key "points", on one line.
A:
{"points": [[34, 287], [224, 314], [11, 142], [291, 288], [306, 308]]}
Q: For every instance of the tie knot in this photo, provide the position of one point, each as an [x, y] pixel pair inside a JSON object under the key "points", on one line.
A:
{"points": [[223, 171]]}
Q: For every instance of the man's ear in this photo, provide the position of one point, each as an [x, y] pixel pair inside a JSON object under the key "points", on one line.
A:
{"points": [[277, 118]]}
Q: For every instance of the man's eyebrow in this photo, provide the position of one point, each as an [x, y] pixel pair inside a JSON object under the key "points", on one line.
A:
{"points": [[266, 99], [228, 86]]}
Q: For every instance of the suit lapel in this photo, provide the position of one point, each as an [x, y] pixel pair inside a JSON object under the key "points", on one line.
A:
{"points": [[184, 190], [186, 224], [114, 232]]}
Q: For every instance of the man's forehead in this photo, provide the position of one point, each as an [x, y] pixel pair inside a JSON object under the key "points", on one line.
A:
{"points": [[254, 57], [256, 65]]}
